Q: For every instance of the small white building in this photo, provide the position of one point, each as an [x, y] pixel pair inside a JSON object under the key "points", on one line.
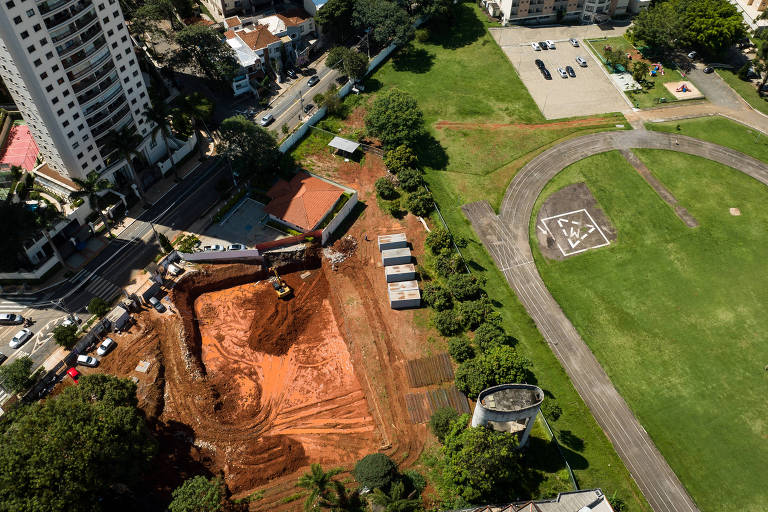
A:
{"points": [[402, 286], [396, 256], [395, 241], [405, 299], [397, 273]]}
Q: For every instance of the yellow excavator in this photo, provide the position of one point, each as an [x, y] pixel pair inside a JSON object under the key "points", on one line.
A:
{"points": [[282, 289]]}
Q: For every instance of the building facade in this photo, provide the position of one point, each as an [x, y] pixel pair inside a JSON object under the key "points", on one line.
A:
{"points": [[549, 11], [72, 71]]}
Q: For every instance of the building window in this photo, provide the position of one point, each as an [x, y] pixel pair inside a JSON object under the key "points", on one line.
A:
{"points": [[17, 20], [49, 55], [142, 95], [36, 27], [43, 75], [43, 42], [37, 63], [115, 14], [120, 26], [60, 81], [80, 127], [130, 90], [71, 104], [124, 38], [89, 148], [76, 116], [65, 124], [24, 34], [110, 32], [118, 57], [60, 112], [135, 73], [93, 158], [70, 135], [75, 145], [98, 167], [30, 13], [48, 88], [10, 5], [106, 20], [79, 156], [114, 45], [125, 80], [31, 48], [55, 68], [55, 100], [127, 52], [133, 101], [65, 94]]}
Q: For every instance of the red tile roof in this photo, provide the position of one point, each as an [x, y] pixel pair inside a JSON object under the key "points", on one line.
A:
{"points": [[229, 34], [257, 38], [303, 201], [233, 21], [293, 18]]}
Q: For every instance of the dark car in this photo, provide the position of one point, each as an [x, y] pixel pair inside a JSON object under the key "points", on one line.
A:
{"points": [[708, 70], [3, 357], [544, 45], [307, 108], [570, 71], [313, 81], [539, 63], [546, 73], [11, 319], [291, 73]]}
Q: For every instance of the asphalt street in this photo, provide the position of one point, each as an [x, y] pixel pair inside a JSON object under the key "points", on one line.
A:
{"points": [[288, 108]]}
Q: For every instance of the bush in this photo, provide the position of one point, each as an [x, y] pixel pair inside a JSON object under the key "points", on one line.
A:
{"points": [[489, 335], [500, 365], [385, 189], [446, 322], [420, 203], [464, 287], [65, 335], [447, 264], [410, 179], [551, 410], [400, 159], [414, 481], [441, 421], [461, 349], [375, 470], [439, 240], [743, 72], [472, 313], [422, 35], [98, 307], [165, 244], [437, 297]]}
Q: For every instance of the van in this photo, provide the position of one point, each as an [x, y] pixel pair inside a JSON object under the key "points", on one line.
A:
{"points": [[88, 361]]}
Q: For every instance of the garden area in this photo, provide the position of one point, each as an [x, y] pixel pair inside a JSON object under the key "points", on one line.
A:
{"points": [[669, 315]]}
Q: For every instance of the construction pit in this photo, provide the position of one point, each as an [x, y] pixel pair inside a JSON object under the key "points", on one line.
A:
{"points": [[242, 382]]}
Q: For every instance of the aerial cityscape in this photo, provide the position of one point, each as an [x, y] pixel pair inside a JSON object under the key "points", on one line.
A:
{"points": [[383, 255]]}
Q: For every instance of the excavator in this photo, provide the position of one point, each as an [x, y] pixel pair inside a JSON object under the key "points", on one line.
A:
{"points": [[282, 289]]}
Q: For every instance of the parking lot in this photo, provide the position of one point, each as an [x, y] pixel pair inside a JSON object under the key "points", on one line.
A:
{"points": [[244, 225], [589, 92]]}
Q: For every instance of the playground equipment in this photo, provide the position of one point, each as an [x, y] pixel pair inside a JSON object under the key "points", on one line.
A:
{"points": [[683, 88], [657, 68]]}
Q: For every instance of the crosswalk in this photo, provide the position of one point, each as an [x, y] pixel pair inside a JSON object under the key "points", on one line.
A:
{"points": [[14, 306], [103, 288]]}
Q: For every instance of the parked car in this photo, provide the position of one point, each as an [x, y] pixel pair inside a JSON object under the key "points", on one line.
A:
{"points": [[174, 270], [20, 338], [562, 72], [236, 247], [291, 73], [535, 47], [69, 321], [693, 55], [581, 61], [543, 45], [308, 108], [74, 374], [266, 120], [11, 319], [539, 63], [546, 73], [214, 247], [3, 357], [570, 71], [88, 361], [574, 42], [313, 81], [157, 305], [708, 70], [550, 44], [106, 345]]}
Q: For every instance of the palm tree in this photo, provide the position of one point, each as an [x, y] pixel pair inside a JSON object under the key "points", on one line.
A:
{"points": [[197, 108], [396, 500], [341, 500], [90, 189], [157, 114], [318, 482], [125, 142]]}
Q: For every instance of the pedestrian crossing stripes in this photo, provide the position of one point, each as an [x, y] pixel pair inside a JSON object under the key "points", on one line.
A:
{"points": [[8, 306], [102, 288]]}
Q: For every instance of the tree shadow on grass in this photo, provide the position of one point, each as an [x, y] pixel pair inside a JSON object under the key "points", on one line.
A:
{"points": [[464, 28], [430, 153], [567, 438], [412, 59]]}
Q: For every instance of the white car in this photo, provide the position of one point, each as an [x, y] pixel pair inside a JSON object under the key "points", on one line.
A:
{"points": [[574, 42], [88, 361], [70, 321], [536, 47], [562, 72], [581, 61], [550, 43], [106, 345], [174, 269], [266, 120], [236, 247], [215, 247], [21, 337], [11, 319]]}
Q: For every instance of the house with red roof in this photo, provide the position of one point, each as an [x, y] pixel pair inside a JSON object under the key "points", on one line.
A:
{"points": [[304, 202]]}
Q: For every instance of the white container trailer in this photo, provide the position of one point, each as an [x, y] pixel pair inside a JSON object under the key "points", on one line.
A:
{"points": [[403, 286], [397, 273], [396, 256], [405, 299], [396, 241]]}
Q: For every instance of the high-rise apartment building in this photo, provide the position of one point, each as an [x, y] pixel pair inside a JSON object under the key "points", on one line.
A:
{"points": [[71, 69]]}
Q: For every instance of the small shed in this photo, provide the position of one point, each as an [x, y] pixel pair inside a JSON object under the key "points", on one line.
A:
{"points": [[395, 241], [405, 299], [118, 318], [403, 286], [396, 256], [344, 146], [397, 273]]}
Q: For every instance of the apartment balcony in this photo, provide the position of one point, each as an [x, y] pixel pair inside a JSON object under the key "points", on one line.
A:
{"points": [[84, 53], [52, 5], [95, 91], [112, 122], [88, 67], [105, 113], [67, 15], [86, 83], [79, 41], [97, 105], [86, 21]]}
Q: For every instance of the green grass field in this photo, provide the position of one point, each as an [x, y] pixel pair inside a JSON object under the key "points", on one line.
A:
{"points": [[675, 315], [746, 90]]}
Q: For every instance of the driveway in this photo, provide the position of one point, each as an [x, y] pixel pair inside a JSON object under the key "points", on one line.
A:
{"points": [[506, 237], [714, 88], [243, 225]]}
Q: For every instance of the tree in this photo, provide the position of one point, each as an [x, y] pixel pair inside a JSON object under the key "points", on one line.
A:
{"points": [[711, 26], [318, 482], [490, 335], [447, 322], [396, 500], [17, 376], [92, 188], [387, 21], [125, 143], [153, 11], [500, 365], [435, 9], [65, 335], [341, 499], [251, 149], [472, 313], [410, 179], [437, 297], [420, 203], [165, 244], [400, 158], [482, 465], [348, 61], [640, 70], [98, 307], [385, 189], [448, 263], [464, 287], [201, 48], [73, 450], [336, 18], [374, 470], [551, 410], [460, 349], [657, 27], [441, 421], [395, 118], [18, 224], [192, 108], [158, 114], [439, 240], [198, 494]]}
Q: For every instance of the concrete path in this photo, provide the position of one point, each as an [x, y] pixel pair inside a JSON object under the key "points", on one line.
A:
{"points": [[506, 237]]}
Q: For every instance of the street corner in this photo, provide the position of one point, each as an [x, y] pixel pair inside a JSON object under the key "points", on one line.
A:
{"points": [[571, 222]]}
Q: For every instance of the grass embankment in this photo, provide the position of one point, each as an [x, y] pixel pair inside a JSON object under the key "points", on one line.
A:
{"points": [[720, 131], [675, 314], [746, 90]]}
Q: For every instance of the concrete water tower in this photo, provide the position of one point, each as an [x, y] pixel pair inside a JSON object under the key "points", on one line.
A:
{"points": [[508, 408]]}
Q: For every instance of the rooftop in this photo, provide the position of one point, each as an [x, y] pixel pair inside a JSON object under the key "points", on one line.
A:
{"points": [[513, 397], [49, 173], [257, 37], [304, 201], [588, 500], [19, 149], [346, 145], [233, 21]]}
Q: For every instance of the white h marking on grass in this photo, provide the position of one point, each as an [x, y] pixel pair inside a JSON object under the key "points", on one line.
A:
{"points": [[577, 231]]}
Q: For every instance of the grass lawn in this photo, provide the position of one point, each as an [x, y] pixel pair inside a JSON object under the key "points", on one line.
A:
{"points": [[746, 90], [653, 88], [675, 315], [720, 131]]}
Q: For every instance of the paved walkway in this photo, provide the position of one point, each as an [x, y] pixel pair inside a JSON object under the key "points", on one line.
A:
{"points": [[506, 237]]}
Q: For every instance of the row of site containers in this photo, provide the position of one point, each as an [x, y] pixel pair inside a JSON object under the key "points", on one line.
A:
{"points": [[400, 272]]}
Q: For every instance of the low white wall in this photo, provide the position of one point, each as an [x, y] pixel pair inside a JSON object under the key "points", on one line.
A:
{"points": [[339, 218], [37, 274], [179, 154]]}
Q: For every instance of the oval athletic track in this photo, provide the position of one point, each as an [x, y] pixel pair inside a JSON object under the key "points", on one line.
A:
{"points": [[506, 237]]}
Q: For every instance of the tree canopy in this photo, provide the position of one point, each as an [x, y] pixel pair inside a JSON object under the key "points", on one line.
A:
{"points": [[201, 48], [387, 21], [65, 335], [395, 118], [198, 494], [348, 61], [70, 451], [251, 149], [336, 18], [17, 376], [442, 420], [375, 470], [18, 224], [499, 365]]}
